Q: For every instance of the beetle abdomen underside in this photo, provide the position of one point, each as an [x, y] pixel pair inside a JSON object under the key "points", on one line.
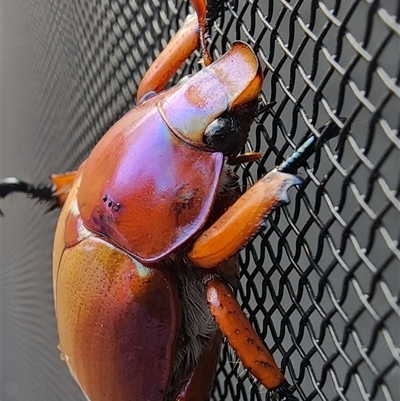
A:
{"points": [[197, 329]]}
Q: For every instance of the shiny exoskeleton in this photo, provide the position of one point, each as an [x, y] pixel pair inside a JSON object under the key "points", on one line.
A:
{"points": [[145, 250]]}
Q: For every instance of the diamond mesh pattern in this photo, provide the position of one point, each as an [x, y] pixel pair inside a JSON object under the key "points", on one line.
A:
{"points": [[321, 283]]}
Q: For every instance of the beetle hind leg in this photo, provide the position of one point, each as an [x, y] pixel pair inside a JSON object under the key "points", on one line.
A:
{"points": [[242, 337]]}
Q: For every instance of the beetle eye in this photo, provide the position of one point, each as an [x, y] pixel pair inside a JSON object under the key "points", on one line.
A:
{"points": [[224, 135]]}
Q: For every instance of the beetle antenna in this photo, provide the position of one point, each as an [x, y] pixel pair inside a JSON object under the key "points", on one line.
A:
{"points": [[41, 192]]}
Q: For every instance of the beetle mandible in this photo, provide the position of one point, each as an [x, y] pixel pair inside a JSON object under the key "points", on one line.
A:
{"points": [[150, 227]]}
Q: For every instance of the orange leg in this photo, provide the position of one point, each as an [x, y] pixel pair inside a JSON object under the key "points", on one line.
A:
{"points": [[181, 46], [199, 385], [241, 335], [238, 225], [231, 232], [62, 184], [201, 10]]}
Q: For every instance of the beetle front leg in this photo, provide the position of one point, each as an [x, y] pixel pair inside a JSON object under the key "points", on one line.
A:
{"points": [[180, 47], [242, 221], [201, 10]]}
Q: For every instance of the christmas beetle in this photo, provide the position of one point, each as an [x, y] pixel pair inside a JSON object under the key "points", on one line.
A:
{"points": [[145, 249]]}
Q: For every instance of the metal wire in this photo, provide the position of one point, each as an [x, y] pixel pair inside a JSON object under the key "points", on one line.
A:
{"points": [[321, 283]]}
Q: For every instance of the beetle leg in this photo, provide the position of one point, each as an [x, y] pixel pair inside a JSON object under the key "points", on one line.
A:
{"points": [[54, 194], [62, 184], [245, 158], [180, 47], [199, 385], [242, 221], [243, 339], [201, 10]]}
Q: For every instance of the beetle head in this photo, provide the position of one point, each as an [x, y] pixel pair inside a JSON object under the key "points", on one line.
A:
{"points": [[214, 108]]}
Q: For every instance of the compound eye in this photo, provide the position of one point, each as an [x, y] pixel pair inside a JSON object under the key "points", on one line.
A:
{"points": [[224, 135]]}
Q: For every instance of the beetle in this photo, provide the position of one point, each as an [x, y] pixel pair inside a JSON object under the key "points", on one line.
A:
{"points": [[146, 245]]}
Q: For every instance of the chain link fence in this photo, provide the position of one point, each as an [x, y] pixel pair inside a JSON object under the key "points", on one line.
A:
{"points": [[321, 283]]}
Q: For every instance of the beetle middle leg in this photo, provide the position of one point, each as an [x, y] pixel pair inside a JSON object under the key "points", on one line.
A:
{"points": [[242, 221], [53, 194], [246, 217]]}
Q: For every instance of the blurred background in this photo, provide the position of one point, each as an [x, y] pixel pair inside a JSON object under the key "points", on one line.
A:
{"points": [[321, 283]]}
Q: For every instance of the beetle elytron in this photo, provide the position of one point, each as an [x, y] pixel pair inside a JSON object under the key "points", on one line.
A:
{"points": [[149, 230]]}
